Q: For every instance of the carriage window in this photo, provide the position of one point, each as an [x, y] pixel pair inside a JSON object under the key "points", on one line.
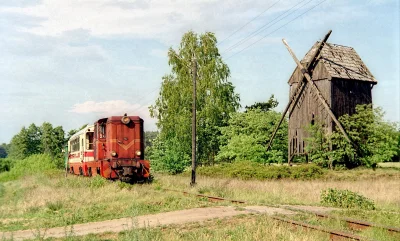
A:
{"points": [[102, 131], [89, 140], [75, 145]]}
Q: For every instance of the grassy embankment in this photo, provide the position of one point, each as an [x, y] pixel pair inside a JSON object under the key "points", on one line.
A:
{"points": [[30, 199]]}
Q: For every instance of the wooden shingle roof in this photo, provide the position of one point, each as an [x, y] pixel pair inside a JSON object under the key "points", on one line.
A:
{"points": [[342, 62]]}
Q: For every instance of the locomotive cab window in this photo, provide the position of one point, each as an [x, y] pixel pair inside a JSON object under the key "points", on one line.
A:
{"points": [[102, 130]]}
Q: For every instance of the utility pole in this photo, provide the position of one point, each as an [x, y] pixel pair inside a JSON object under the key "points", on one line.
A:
{"points": [[193, 181]]}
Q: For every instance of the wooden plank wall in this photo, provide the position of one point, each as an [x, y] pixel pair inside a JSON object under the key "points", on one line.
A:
{"points": [[347, 94], [308, 109]]}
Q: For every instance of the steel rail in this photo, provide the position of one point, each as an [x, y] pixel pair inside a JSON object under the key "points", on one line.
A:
{"points": [[211, 198], [351, 222], [334, 235]]}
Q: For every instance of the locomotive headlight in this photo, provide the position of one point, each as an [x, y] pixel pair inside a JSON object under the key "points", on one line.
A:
{"points": [[113, 153], [138, 153], [125, 120]]}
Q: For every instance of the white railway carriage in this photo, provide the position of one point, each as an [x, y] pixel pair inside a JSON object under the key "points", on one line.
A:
{"points": [[81, 153]]}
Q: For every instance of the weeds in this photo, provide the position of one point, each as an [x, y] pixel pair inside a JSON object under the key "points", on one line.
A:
{"points": [[32, 165], [345, 199]]}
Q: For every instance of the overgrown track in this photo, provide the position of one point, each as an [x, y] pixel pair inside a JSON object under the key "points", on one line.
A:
{"points": [[333, 234]]}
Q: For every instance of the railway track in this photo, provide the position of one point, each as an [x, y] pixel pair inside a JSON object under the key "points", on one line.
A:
{"points": [[353, 224]]}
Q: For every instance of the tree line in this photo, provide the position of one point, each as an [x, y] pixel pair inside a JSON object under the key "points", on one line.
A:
{"points": [[31, 140]]}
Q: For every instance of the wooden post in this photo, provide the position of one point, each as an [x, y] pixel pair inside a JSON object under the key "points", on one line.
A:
{"points": [[317, 92], [193, 180]]}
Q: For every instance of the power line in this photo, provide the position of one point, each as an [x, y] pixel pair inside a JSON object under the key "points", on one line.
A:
{"points": [[244, 25], [265, 26], [277, 29]]}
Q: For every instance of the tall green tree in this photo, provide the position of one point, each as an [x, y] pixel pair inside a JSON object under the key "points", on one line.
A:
{"points": [[215, 99], [52, 142], [264, 106], [26, 142]]}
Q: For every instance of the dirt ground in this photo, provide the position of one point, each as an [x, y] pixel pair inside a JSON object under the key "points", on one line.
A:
{"points": [[161, 219]]}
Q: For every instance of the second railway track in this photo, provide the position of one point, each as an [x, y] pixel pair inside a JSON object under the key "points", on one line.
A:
{"points": [[353, 224]]}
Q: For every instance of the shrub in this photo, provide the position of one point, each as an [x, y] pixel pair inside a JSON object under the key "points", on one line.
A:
{"points": [[345, 199], [251, 170], [34, 164]]}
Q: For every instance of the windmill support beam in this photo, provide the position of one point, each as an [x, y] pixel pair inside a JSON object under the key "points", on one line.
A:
{"points": [[298, 91], [317, 92]]}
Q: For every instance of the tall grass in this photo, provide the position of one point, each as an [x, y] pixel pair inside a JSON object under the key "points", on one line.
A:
{"points": [[34, 164]]}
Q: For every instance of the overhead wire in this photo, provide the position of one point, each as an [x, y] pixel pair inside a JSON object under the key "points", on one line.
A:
{"points": [[266, 26], [276, 29], [244, 25], [258, 30]]}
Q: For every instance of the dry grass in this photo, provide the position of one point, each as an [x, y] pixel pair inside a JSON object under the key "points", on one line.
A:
{"points": [[389, 164], [384, 191], [40, 201], [43, 201], [249, 227]]}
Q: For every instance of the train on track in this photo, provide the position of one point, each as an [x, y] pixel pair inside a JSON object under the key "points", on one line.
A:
{"points": [[112, 147]]}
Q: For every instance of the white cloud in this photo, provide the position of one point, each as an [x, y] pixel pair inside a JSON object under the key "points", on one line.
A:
{"points": [[106, 107], [163, 20], [115, 107]]}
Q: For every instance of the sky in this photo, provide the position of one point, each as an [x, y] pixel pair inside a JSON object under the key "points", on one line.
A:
{"points": [[70, 62]]}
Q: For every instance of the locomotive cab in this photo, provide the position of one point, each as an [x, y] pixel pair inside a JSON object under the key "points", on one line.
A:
{"points": [[119, 148]]}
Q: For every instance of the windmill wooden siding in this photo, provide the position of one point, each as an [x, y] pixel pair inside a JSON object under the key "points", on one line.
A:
{"points": [[343, 80]]}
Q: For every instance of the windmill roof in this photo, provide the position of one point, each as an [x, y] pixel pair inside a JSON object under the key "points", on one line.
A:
{"points": [[342, 62]]}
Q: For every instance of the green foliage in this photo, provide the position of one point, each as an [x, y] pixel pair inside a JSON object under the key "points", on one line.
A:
{"points": [[250, 170], [247, 135], [5, 164], [34, 164], [54, 206], [168, 157], [318, 147], [3, 150], [215, 101], [345, 199], [375, 140], [52, 142], [25, 143], [264, 106], [149, 137]]}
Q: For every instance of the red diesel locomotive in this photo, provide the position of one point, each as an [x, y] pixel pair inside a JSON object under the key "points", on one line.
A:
{"points": [[113, 148]]}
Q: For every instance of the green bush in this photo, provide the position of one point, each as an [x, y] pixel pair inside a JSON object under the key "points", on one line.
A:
{"points": [[251, 170], [34, 164], [345, 199]]}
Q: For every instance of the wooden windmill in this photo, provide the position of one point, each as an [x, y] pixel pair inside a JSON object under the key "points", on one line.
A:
{"points": [[328, 83]]}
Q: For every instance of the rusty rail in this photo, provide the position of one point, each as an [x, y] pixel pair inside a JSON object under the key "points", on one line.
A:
{"points": [[334, 235], [352, 223], [211, 198], [358, 224]]}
